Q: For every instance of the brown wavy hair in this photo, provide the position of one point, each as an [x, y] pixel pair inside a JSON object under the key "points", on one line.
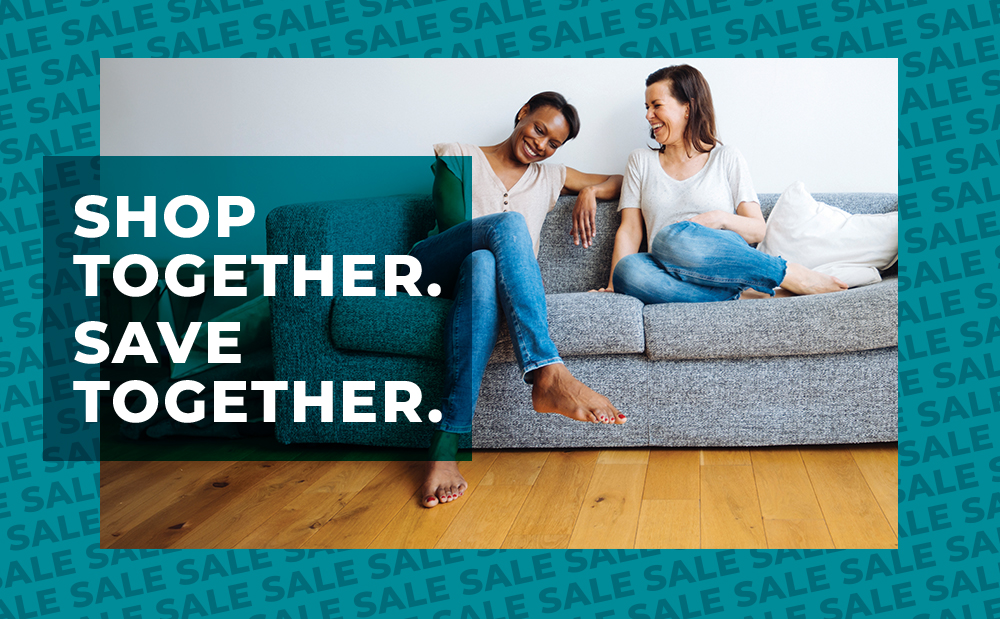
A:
{"points": [[688, 85]]}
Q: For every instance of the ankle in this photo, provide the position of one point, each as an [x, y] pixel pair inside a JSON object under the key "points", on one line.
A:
{"points": [[791, 273], [547, 373]]}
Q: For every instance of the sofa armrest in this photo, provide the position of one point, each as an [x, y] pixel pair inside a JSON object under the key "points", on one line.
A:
{"points": [[300, 326]]}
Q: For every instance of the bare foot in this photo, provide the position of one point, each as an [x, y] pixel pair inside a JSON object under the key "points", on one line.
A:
{"points": [[444, 484], [800, 280], [750, 293], [779, 293], [555, 390]]}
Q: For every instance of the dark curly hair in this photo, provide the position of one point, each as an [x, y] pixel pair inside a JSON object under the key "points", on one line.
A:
{"points": [[556, 100]]}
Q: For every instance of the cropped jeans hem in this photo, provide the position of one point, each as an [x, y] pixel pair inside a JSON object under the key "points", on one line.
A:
{"points": [[454, 428], [536, 365]]}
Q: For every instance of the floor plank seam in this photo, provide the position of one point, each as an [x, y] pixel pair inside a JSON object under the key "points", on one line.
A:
{"points": [[872, 491], [583, 504], [756, 493], [638, 516], [812, 485]]}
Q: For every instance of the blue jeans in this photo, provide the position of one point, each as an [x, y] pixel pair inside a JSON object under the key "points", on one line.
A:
{"points": [[690, 263], [488, 267]]}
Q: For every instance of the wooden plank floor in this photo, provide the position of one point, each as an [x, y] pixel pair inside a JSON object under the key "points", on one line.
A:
{"points": [[784, 497]]}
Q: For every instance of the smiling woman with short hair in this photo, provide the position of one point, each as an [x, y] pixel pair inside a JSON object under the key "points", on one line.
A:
{"points": [[484, 258]]}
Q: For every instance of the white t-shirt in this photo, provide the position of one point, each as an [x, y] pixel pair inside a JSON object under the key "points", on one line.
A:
{"points": [[533, 195], [721, 185]]}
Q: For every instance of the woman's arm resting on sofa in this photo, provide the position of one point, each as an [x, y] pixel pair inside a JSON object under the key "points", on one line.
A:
{"points": [[589, 189], [747, 222], [627, 241]]}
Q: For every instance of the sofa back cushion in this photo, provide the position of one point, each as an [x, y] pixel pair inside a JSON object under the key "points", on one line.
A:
{"points": [[857, 203], [571, 268]]}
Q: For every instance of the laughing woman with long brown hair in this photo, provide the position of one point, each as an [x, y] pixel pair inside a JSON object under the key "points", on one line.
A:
{"points": [[695, 201]]}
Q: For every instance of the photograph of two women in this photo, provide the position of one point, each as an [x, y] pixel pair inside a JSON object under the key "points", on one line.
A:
{"points": [[658, 303]]}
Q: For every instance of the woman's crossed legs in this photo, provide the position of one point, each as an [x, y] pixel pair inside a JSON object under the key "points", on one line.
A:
{"points": [[488, 267], [690, 263]]}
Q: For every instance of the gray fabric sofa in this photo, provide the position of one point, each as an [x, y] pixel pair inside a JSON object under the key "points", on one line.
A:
{"points": [[805, 370]]}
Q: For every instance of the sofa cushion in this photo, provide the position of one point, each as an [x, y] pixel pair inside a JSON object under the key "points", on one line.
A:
{"points": [[853, 320], [587, 323], [400, 325], [580, 324]]}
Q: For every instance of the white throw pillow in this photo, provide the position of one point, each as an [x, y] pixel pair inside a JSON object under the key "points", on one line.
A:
{"points": [[830, 240]]}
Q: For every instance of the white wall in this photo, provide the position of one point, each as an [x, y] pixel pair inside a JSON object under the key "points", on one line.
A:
{"points": [[829, 123]]}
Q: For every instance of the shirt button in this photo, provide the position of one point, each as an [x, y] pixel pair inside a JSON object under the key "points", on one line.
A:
{"points": [[505, 195]]}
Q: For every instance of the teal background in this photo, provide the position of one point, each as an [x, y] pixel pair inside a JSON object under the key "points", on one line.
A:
{"points": [[947, 564], [268, 182]]}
